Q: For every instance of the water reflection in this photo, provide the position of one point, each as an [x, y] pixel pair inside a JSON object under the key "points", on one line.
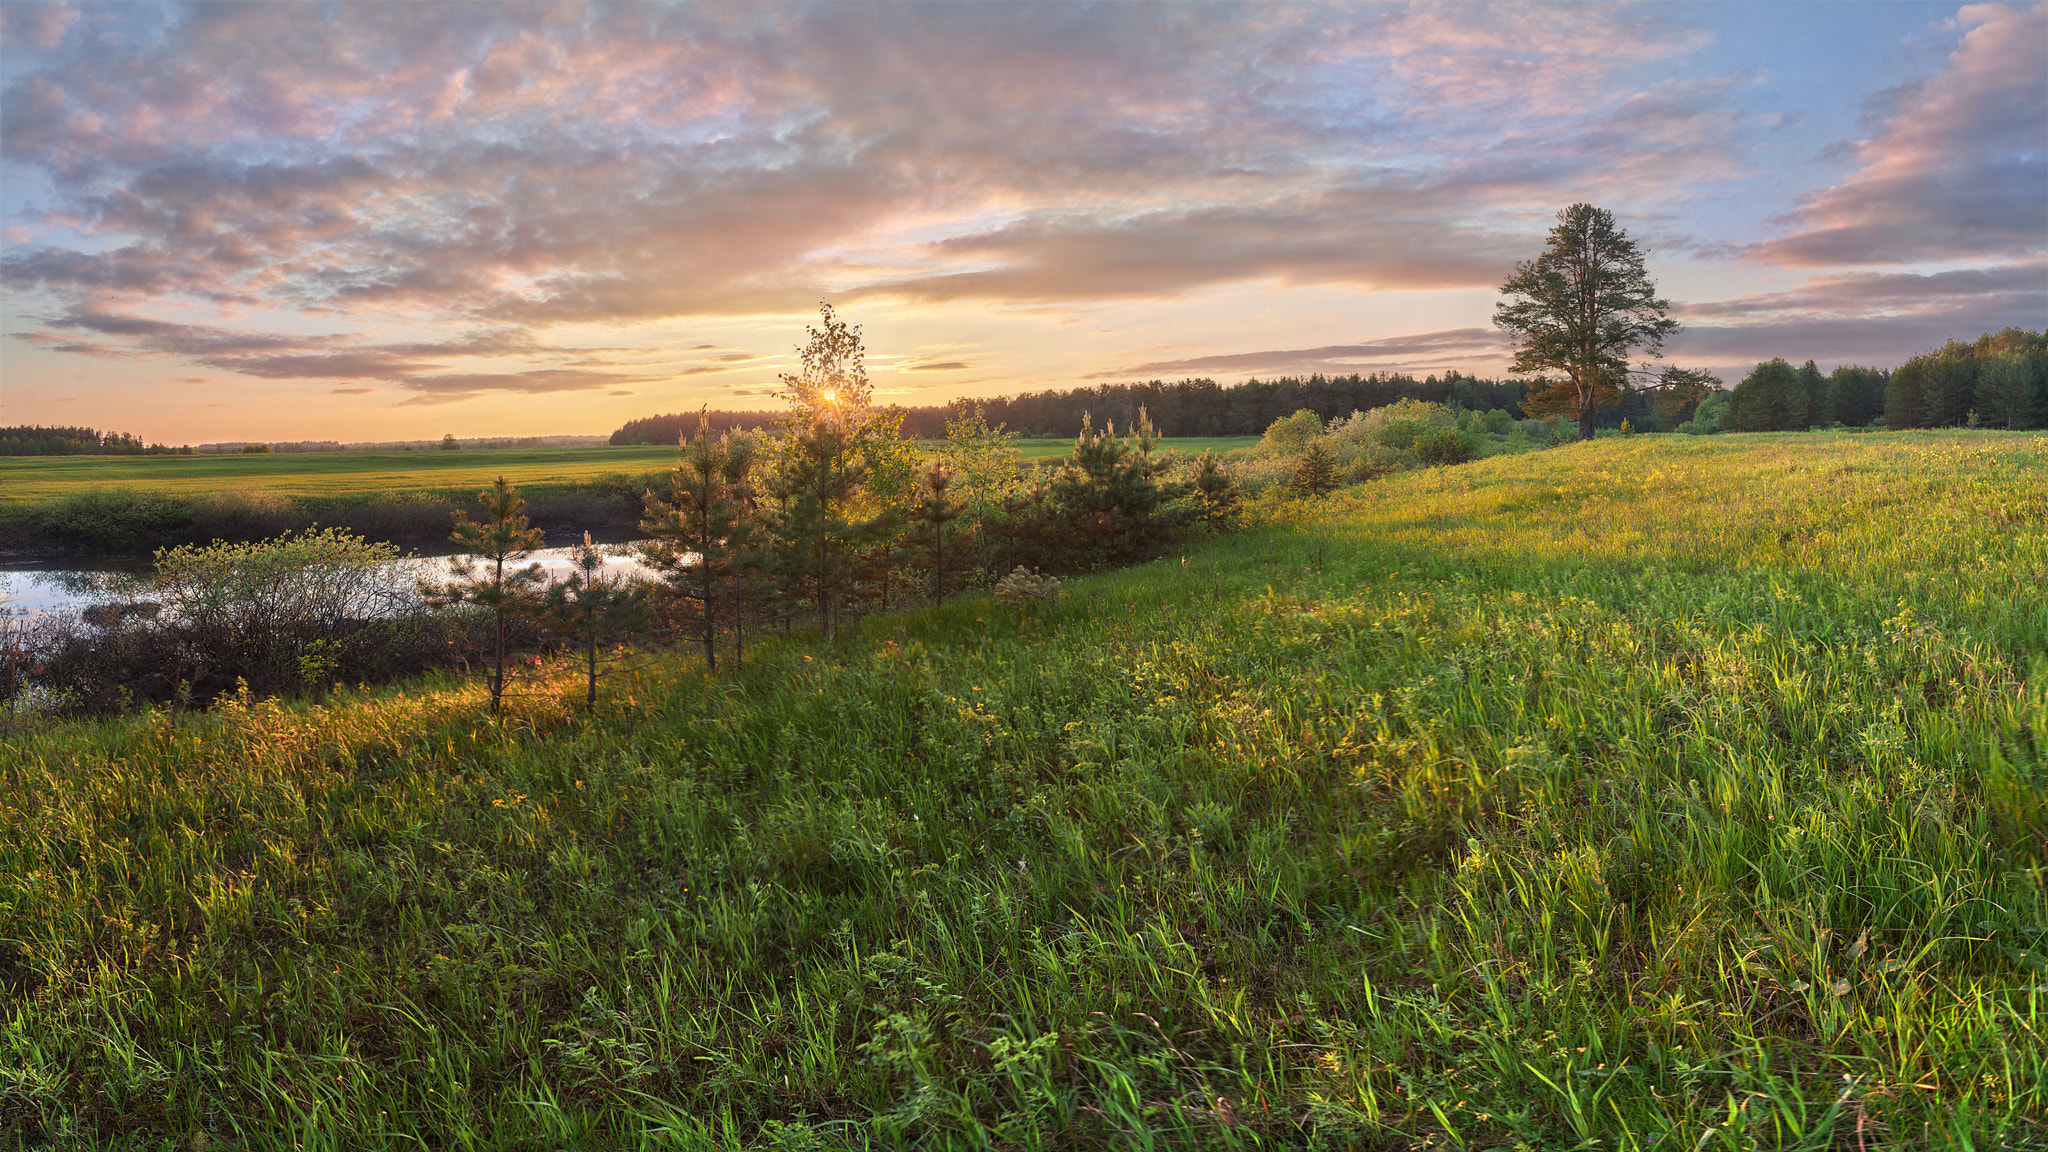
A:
{"points": [[70, 584]]}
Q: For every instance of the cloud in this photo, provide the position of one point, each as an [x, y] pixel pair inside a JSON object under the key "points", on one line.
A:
{"points": [[1874, 318], [540, 166], [1959, 168], [418, 366], [350, 391], [1455, 347], [940, 366]]}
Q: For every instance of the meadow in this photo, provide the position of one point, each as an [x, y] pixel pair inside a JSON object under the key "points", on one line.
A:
{"points": [[1653, 792], [132, 503], [36, 479]]}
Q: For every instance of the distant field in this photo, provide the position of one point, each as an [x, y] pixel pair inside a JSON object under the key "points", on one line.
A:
{"points": [[34, 479]]}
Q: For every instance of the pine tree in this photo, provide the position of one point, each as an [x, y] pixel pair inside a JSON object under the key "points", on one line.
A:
{"points": [[1316, 475], [931, 517], [1903, 406], [1582, 309], [1217, 490], [1811, 400], [700, 530], [1770, 399], [499, 542], [592, 606], [1856, 395], [2005, 391]]}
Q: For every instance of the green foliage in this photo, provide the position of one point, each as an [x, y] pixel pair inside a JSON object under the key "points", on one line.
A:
{"points": [[1293, 433], [1714, 414], [1582, 309], [1856, 396], [1810, 406], [703, 531], [487, 576], [1217, 491], [1942, 388], [1439, 446], [1455, 815], [984, 463], [1316, 475], [1110, 503], [827, 525], [2007, 390], [1772, 398], [450, 444], [1499, 422], [594, 609], [931, 519], [255, 449]]}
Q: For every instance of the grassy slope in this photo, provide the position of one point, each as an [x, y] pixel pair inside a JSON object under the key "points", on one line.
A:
{"points": [[1661, 792]]}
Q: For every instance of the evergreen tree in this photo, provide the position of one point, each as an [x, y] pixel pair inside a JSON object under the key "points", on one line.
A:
{"points": [[1856, 395], [1216, 489], [503, 589], [1582, 309], [1948, 386], [1771, 398], [2006, 391], [1105, 505], [931, 519], [1902, 395], [701, 528], [1316, 475], [1811, 399], [592, 607]]}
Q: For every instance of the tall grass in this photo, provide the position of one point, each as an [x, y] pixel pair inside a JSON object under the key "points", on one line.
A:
{"points": [[1648, 793]]}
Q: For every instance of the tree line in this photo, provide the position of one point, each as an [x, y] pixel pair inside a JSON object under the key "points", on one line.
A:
{"points": [[64, 440], [1190, 407], [1999, 380]]}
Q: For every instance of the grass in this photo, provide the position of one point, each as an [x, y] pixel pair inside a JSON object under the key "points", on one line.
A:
{"points": [[35, 480], [1663, 792], [26, 480]]}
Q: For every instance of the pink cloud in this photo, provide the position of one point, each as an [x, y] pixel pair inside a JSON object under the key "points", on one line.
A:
{"points": [[1959, 170]]}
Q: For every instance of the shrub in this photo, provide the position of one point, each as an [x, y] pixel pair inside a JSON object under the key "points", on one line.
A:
{"points": [[1316, 475], [1293, 433], [1443, 446], [284, 616]]}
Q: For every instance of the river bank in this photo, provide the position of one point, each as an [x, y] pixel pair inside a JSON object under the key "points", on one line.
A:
{"points": [[129, 519]]}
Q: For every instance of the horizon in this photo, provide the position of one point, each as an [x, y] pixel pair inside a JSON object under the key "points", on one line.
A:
{"points": [[377, 223]]}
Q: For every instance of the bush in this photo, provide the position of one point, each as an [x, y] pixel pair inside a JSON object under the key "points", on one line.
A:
{"points": [[1293, 433], [1443, 446], [286, 616]]}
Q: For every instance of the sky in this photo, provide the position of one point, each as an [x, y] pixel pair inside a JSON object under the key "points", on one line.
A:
{"points": [[376, 221]]}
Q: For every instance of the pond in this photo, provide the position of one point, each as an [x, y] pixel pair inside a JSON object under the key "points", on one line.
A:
{"points": [[70, 584]]}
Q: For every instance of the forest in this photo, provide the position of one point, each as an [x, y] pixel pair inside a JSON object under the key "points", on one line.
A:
{"points": [[2000, 380], [37, 440], [1997, 381]]}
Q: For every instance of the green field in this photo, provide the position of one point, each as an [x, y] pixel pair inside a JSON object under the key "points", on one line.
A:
{"points": [[36, 479], [28, 480], [1653, 793]]}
